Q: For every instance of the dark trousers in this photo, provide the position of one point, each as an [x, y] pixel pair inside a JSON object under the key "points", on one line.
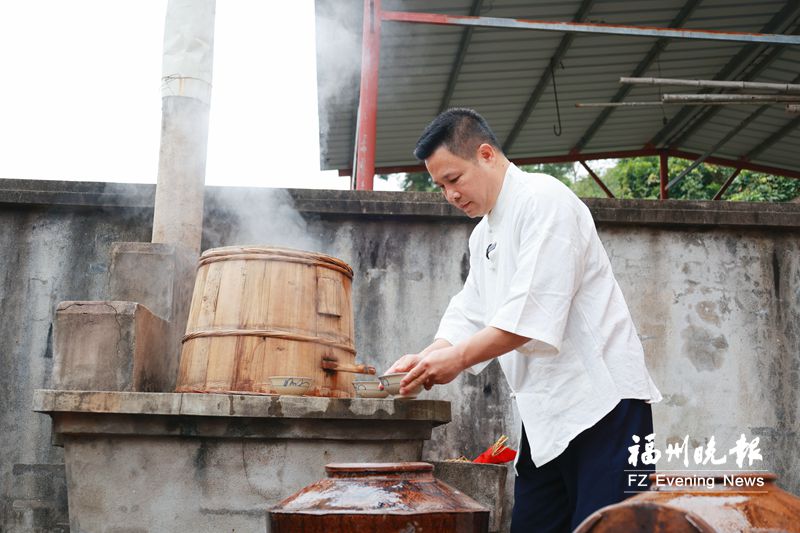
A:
{"points": [[591, 473]]}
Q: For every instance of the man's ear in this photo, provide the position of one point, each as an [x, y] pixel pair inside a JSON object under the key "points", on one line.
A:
{"points": [[487, 153]]}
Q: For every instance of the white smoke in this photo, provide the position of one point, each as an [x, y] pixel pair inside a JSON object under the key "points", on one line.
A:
{"points": [[338, 34], [245, 216], [404, 45]]}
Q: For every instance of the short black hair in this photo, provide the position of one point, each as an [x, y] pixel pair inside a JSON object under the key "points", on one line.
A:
{"points": [[460, 130]]}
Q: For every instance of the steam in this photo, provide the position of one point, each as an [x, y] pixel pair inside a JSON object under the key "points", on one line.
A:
{"points": [[264, 217], [338, 65], [339, 27]]}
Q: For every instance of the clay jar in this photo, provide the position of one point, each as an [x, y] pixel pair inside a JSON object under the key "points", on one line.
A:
{"points": [[380, 498], [740, 502]]}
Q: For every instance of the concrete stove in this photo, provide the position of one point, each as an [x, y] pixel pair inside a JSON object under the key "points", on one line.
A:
{"points": [[140, 461]]}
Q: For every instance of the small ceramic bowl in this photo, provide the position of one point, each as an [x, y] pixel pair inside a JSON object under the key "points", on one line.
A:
{"points": [[391, 382], [369, 389], [290, 385]]}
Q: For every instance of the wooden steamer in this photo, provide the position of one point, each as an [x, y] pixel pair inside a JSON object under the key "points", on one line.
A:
{"points": [[258, 312]]}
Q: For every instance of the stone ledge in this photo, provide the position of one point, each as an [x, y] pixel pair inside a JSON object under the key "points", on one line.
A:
{"points": [[114, 424], [389, 204], [76, 193], [435, 412]]}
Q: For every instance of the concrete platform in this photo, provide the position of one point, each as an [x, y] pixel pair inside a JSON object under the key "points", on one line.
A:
{"points": [[139, 462]]}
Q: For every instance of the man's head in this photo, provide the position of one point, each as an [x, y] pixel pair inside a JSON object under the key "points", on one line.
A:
{"points": [[464, 159]]}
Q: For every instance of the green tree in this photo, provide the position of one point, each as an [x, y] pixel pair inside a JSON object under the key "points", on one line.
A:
{"points": [[586, 187], [640, 178], [418, 181], [759, 187], [415, 181], [563, 172]]}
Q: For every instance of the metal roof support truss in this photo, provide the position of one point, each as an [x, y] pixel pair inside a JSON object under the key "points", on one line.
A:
{"points": [[731, 134], [747, 56], [466, 37], [641, 68], [727, 184], [364, 163], [541, 85], [590, 28]]}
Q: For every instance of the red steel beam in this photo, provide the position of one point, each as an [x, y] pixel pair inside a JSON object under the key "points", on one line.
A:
{"points": [[592, 28], [368, 96], [597, 179], [727, 184], [577, 156], [663, 169], [568, 158], [738, 163], [621, 154]]}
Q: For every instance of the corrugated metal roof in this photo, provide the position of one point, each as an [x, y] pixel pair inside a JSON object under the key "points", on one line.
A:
{"points": [[502, 67]]}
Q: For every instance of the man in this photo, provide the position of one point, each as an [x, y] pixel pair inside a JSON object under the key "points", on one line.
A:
{"points": [[541, 297]]}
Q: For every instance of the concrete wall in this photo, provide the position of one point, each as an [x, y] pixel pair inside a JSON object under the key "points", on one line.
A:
{"points": [[713, 287]]}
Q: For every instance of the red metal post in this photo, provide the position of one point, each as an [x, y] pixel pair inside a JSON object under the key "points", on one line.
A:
{"points": [[368, 96], [663, 168]]}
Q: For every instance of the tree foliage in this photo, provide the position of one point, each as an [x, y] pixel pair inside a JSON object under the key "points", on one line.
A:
{"points": [[563, 172], [418, 181], [640, 178], [758, 187]]}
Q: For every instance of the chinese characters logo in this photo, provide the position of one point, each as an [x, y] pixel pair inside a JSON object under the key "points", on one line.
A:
{"points": [[743, 449]]}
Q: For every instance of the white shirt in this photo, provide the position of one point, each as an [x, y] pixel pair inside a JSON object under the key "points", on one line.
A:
{"points": [[539, 270]]}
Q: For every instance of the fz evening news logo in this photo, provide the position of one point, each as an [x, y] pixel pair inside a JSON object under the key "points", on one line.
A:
{"points": [[744, 449]]}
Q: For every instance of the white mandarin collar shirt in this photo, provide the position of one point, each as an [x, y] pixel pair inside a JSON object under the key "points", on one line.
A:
{"points": [[539, 270]]}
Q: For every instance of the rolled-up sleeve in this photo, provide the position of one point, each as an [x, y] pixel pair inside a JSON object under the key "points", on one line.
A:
{"points": [[549, 269]]}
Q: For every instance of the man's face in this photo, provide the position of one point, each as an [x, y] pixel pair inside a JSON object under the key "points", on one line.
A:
{"points": [[465, 183]]}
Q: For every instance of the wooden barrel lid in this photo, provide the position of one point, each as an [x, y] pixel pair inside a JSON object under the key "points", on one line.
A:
{"points": [[274, 253]]}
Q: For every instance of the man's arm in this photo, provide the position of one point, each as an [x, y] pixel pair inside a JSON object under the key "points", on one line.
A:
{"points": [[462, 318], [443, 364]]}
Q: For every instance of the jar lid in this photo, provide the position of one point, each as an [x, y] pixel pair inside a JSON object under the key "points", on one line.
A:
{"points": [[377, 468], [372, 493]]}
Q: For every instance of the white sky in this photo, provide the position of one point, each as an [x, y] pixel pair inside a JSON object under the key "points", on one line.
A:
{"points": [[81, 100]]}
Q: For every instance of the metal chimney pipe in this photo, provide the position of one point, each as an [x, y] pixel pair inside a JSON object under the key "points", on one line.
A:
{"points": [[186, 97]]}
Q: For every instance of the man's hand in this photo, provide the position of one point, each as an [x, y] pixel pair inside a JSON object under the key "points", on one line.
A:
{"points": [[410, 360], [405, 363], [440, 362], [437, 368]]}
